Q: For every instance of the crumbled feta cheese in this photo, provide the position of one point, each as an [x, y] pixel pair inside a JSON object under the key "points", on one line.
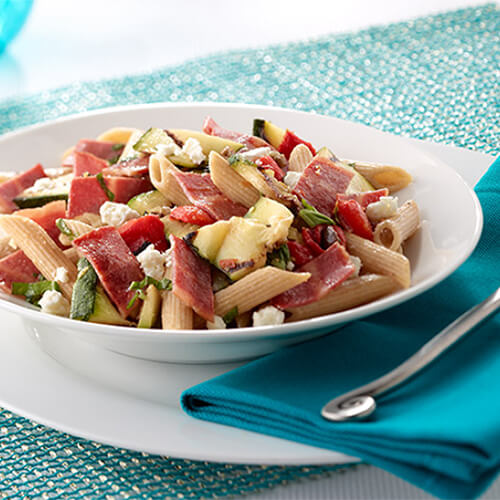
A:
{"points": [[168, 257], [291, 178], [171, 148], [192, 148], [53, 302], [217, 324], [386, 207], [268, 315], [256, 153], [357, 266], [290, 266], [49, 184], [56, 171], [61, 275], [115, 214], [152, 262]]}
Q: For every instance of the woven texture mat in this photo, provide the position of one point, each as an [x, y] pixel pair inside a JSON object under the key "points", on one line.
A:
{"points": [[433, 78]]}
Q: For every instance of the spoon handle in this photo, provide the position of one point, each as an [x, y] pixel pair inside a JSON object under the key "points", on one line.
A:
{"points": [[360, 402]]}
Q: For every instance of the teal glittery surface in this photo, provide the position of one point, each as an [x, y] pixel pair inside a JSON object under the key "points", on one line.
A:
{"points": [[433, 78]]}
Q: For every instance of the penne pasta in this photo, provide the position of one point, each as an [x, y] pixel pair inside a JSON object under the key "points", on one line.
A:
{"points": [[175, 315], [118, 135], [72, 255], [256, 288], [40, 249], [128, 150], [380, 176], [160, 172], [5, 246], [300, 157], [351, 293], [91, 219], [230, 182], [380, 260], [391, 233]]}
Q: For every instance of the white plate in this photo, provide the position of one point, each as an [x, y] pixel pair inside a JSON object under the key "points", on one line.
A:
{"points": [[450, 209], [134, 404]]}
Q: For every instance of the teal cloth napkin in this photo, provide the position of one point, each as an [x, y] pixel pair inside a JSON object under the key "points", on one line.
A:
{"points": [[439, 431]]}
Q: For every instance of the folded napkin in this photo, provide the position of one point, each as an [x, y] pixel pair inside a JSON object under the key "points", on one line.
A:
{"points": [[439, 431]]}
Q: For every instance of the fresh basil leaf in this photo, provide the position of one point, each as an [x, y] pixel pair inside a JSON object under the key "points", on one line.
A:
{"points": [[230, 315], [33, 291], [113, 160], [279, 257], [100, 179], [117, 147], [313, 217], [63, 227], [163, 284]]}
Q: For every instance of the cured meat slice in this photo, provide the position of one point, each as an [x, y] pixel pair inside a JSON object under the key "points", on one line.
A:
{"points": [[328, 270], [85, 196], [364, 199], [210, 127], [191, 279], [125, 188], [46, 217], [15, 186], [102, 149], [87, 163], [147, 229], [136, 167], [16, 267], [320, 182], [113, 262], [203, 193]]}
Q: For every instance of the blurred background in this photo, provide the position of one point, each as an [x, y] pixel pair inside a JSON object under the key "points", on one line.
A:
{"points": [[64, 42]]}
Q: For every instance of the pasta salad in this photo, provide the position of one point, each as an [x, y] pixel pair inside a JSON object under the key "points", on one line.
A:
{"points": [[180, 229]]}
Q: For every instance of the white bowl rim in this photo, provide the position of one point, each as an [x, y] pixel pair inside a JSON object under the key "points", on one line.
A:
{"points": [[248, 333]]}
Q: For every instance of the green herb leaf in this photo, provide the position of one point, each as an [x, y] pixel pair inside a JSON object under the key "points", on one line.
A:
{"points": [[33, 291], [100, 179], [63, 227], [313, 217], [233, 160], [139, 286], [113, 160], [117, 147], [279, 257], [133, 299], [230, 315]]}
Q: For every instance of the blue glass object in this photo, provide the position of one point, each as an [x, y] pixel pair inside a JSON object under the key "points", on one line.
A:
{"points": [[13, 14]]}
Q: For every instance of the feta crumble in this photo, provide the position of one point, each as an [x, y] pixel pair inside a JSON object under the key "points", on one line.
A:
{"points": [[61, 275], [192, 148], [357, 266], [53, 302], [256, 153], [291, 178], [217, 324], [268, 315], [152, 262], [385, 208], [171, 148], [49, 184], [115, 214]]}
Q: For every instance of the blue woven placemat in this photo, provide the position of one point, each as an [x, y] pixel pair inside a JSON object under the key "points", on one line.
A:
{"points": [[433, 78]]}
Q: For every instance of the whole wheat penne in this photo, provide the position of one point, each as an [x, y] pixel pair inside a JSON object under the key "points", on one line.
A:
{"points": [[160, 172], [351, 293], [243, 320], [72, 254], [5, 246], [175, 315], [381, 176], [40, 249], [380, 260], [77, 228], [230, 182], [118, 135], [300, 157], [256, 288], [391, 233], [128, 150]]}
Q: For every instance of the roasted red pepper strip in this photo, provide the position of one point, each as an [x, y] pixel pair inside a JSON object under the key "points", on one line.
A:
{"points": [[340, 235], [354, 219], [290, 141], [300, 253], [309, 240], [192, 215], [268, 162], [137, 232]]}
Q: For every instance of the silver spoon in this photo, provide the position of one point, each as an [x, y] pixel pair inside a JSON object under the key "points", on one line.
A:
{"points": [[360, 402]]}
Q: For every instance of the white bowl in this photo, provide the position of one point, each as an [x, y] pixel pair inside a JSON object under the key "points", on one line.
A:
{"points": [[450, 210]]}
